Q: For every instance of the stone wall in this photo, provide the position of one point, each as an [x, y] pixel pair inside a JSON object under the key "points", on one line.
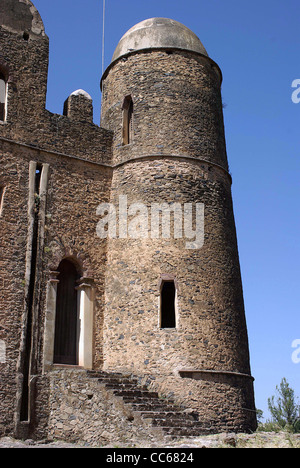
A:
{"points": [[178, 155], [177, 106], [82, 410], [13, 227], [75, 189], [223, 401], [211, 330], [77, 155]]}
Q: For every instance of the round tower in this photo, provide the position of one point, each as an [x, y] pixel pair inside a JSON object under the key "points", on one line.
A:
{"points": [[174, 312], [23, 60]]}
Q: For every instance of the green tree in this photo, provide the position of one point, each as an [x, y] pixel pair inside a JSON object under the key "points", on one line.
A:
{"points": [[285, 410], [259, 415]]}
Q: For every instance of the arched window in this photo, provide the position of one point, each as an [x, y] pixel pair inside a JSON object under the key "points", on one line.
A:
{"points": [[66, 320], [127, 120], [168, 304], [3, 87]]}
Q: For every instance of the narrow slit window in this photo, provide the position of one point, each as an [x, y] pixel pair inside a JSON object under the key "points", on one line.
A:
{"points": [[38, 174], [2, 191], [168, 304], [2, 97], [127, 120]]}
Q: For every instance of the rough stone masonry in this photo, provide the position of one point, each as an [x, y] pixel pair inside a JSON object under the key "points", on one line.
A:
{"points": [[72, 301]]}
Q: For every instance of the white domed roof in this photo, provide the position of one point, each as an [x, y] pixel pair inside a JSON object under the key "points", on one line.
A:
{"points": [[159, 33], [81, 92]]}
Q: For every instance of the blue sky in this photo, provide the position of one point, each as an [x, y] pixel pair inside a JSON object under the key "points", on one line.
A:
{"points": [[256, 44]]}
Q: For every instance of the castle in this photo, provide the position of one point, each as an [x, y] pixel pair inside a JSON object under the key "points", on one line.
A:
{"points": [[118, 244]]}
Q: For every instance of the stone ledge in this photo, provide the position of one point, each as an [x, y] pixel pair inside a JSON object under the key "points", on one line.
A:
{"points": [[196, 373]]}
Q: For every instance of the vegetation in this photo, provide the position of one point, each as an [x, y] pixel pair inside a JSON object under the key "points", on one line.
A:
{"points": [[284, 409]]}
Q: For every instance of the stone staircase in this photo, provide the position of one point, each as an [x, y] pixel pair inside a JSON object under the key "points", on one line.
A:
{"points": [[174, 420]]}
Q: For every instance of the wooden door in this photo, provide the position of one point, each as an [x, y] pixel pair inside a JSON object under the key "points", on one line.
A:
{"points": [[66, 322]]}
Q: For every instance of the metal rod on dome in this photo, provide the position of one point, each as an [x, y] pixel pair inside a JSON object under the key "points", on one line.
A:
{"points": [[103, 36]]}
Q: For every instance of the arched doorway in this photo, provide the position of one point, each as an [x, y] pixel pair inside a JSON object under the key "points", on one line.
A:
{"points": [[67, 320]]}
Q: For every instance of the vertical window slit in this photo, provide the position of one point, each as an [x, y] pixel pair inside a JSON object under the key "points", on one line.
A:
{"points": [[127, 120], [2, 191], [168, 304], [3, 88], [24, 413]]}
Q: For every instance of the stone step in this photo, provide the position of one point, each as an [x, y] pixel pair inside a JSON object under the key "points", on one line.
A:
{"points": [[137, 400], [153, 407], [176, 422], [144, 394], [185, 432], [137, 403], [164, 414], [118, 381], [169, 415], [93, 373], [105, 376], [127, 386]]}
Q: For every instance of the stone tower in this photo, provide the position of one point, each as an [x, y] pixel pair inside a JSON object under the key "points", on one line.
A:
{"points": [[118, 249], [162, 100]]}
